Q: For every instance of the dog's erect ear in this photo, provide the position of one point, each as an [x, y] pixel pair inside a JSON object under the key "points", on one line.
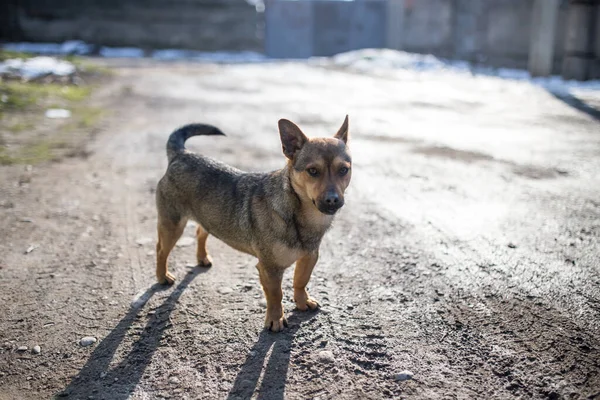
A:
{"points": [[342, 133], [292, 138]]}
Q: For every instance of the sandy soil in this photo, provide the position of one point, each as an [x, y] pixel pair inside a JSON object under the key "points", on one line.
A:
{"points": [[467, 252]]}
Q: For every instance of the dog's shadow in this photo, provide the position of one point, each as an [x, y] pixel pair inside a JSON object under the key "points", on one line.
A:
{"points": [[278, 347], [99, 376]]}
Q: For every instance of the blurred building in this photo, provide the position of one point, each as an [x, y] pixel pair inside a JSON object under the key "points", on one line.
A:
{"points": [[192, 24], [560, 36], [546, 36]]}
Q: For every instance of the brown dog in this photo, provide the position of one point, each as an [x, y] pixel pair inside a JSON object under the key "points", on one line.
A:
{"points": [[278, 217]]}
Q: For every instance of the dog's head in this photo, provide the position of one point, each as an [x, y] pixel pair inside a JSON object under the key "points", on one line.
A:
{"points": [[320, 168]]}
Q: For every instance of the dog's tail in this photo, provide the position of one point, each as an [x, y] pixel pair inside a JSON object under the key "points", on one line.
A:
{"points": [[176, 142]]}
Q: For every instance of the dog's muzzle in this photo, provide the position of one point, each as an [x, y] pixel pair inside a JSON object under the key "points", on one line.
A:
{"points": [[330, 203]]}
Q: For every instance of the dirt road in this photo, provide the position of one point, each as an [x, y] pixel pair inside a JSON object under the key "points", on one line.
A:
{"points": [[467, 252]]}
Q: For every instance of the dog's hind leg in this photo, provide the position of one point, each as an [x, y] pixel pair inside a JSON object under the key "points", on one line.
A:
{"points": [[169, 233], [302, 272], [204, 260]]}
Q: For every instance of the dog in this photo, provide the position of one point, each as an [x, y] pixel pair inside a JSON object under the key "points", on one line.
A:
{"points": [[278, 217]]}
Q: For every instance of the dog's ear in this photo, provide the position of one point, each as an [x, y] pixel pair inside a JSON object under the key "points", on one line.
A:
{"points": [[342, 133], [292, 138]]}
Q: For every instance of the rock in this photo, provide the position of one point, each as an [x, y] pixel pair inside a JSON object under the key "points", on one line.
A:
{"points": [[31, 248], [185, 242], [103, 375], [144, 241], [512, 245], [37, 349], [326, 356], [225, 290], [22, 348], [87, 341], [57, 113], [263, 303], [403, 376], [174, 380]]}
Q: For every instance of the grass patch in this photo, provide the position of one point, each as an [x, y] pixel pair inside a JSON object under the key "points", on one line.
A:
{"points": [[33, 153], [87, 66], [89, 116], [27, 136], [8, 54], [83, 118], [21, 126], [15, 96], [65, 139]]}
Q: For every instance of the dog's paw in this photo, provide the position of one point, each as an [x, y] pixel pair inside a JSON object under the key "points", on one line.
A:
{"points": [[303, 301], [308, 304], [205, 262], [276, 324], [168, 279]]}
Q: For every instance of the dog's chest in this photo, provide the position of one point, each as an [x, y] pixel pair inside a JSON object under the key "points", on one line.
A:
{"points": [[284, 255]]}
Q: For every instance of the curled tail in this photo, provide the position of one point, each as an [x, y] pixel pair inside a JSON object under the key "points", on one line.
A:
{"points": [[176, 142]]}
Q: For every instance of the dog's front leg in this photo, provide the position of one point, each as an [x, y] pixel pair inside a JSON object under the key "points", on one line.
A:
{"points": [[270, 278], [304, 268]]}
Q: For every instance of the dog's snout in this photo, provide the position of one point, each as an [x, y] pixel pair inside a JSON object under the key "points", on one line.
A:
{"points": [[330, 202], [332, 199]]}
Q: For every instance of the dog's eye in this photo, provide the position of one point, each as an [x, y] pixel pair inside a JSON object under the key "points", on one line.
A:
{"points": [[313, 172], [344, 171]]}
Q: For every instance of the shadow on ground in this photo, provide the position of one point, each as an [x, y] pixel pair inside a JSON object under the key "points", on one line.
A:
{"points": [[578, 104], [277, 348], [119, 382]]}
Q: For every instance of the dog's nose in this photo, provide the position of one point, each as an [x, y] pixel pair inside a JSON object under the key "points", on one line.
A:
{"points": [[332, 199]]}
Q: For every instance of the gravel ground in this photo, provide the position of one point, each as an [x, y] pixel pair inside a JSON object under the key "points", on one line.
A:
{"points": [[465, 263]]}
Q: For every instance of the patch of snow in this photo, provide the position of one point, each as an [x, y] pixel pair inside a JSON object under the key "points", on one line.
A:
{"points": [[367, 59], [380, 60], [76, 47], [212, 57], [68, 47], [121, 52], [35, 48], [36, 67]]}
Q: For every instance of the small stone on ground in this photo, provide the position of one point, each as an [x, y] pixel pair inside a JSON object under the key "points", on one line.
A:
{"points": [[404, 376], [225, 290], [326, 356], [87, 341]]}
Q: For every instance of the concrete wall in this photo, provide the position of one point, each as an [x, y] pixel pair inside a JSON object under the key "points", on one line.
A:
{"points": [[299, 29], [596, 63], [494, 32], [193, 24]]}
